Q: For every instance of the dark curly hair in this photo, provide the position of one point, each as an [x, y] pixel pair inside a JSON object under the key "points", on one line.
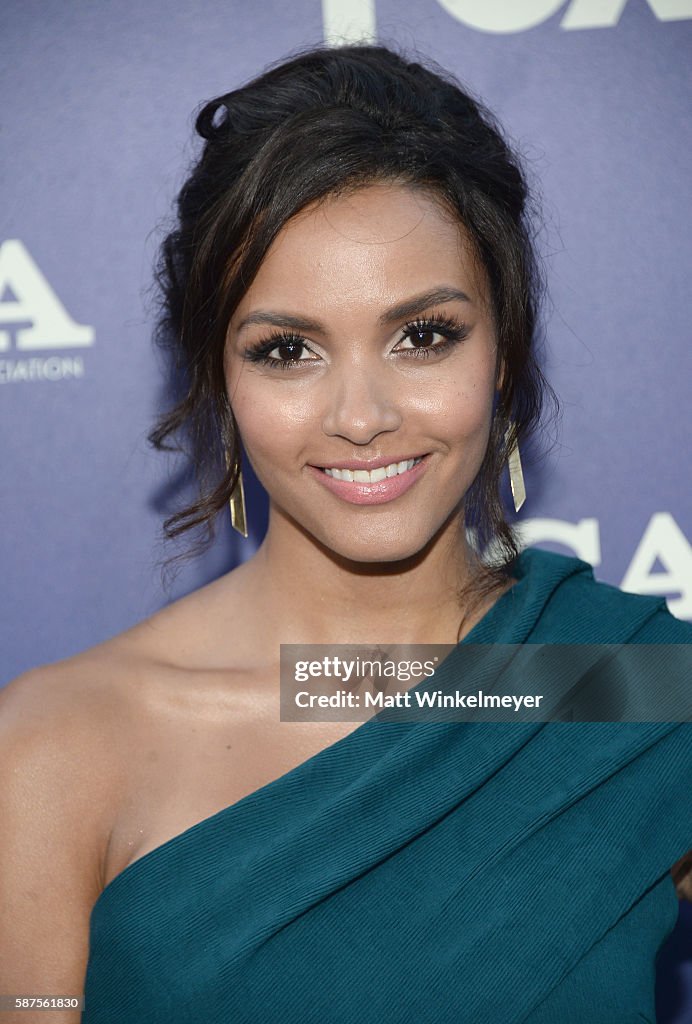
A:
{"points": [[326, 121]]}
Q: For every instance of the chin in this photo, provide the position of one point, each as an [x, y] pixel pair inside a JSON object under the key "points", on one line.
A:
{"points": [[375, 538], [391, 547]]}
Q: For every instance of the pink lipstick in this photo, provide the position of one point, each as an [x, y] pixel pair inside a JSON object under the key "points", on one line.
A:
{"points": [[360, 492]]}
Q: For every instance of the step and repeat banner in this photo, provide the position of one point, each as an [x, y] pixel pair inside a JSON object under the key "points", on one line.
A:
{"points": [[97, 115]]}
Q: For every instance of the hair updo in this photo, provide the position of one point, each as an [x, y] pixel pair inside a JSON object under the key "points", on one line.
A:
{"points": [[324, 122]]}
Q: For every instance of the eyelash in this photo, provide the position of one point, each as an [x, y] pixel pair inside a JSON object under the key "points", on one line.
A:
{"points": [[452, 330]]}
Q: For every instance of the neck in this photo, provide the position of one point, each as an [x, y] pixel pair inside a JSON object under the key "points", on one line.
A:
{"points": [[310, 594]]}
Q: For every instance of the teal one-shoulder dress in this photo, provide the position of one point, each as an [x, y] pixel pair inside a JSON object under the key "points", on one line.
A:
{"points": [[414, 872]]}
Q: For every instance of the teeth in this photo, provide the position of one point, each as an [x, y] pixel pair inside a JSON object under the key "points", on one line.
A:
{"points": [[364, 476]]}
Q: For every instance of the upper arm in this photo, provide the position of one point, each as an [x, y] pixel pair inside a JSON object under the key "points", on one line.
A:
{"points": [[54, 808]]}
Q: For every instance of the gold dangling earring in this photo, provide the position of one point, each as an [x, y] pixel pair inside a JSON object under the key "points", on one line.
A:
{"points": [[516, 476], [237, 503]]}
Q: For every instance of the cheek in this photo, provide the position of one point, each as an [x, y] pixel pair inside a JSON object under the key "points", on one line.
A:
{"points": [[274, 421], [457, 411]]}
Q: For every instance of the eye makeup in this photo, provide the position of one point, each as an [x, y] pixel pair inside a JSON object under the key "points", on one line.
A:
{"points": [[450, 329]]}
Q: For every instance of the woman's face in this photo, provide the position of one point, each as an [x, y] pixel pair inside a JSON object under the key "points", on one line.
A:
{"points": [[362, 375]]}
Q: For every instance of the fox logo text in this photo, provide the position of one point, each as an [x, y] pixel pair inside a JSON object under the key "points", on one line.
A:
{"points": [[344, 20]]}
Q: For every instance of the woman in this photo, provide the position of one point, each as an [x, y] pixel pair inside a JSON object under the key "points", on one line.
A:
{"points": [[351, 287]]}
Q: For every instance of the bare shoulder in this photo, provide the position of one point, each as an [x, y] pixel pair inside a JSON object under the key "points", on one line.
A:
{"points": [[73, 737], [73, 689], [80, 724], [61, 772], [85, 709], [69, 729], [72, 706], [62, 727], [214, 626]]}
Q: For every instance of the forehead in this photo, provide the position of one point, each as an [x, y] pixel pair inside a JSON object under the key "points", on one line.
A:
{"points": [[366, 248]]}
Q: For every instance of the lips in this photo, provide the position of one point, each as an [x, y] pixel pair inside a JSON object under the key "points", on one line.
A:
{"points": [[369, 492]]}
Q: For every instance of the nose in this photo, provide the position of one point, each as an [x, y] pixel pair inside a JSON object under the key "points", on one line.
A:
{"points": [[360, 404]]}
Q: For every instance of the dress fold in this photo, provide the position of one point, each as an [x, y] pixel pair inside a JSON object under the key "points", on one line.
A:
{"points": [[489, 873]]}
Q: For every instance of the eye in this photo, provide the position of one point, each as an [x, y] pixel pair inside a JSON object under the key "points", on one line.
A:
{"points": [[421, 332], [290, 350], [290, 346]]}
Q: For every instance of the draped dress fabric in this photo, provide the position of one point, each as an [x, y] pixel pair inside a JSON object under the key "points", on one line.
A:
{"points": [[466, 872]]}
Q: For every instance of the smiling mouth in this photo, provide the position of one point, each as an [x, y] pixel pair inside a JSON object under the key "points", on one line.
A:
{"points": [[373, 476]]}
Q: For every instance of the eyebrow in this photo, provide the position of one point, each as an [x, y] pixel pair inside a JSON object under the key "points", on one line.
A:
{"points": [[402, 311]]}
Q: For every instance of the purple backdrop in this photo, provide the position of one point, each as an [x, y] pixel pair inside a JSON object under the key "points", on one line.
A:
{"points": [[98, 105]]}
